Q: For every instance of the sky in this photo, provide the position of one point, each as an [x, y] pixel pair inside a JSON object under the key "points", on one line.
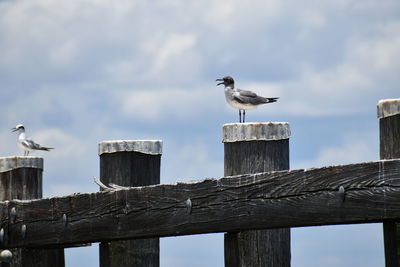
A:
{"points": [[78, 72]]}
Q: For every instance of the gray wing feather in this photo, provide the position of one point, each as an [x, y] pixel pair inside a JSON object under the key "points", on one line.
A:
{"points": [[249, 97], [246, 93], [29, 143]]}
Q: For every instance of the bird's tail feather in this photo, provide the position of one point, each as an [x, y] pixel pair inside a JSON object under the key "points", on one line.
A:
{"points": [[45, 148], [271, 99]]}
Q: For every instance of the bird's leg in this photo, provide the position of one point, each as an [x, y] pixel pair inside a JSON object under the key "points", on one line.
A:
{"points": [[27, 153], [244, 114], [240, 116]]}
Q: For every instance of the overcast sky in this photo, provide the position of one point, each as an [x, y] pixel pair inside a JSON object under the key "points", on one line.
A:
{"points": [[77, 72]]}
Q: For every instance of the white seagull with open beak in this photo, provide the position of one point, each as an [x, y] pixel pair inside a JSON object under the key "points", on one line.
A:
{"points": [[242, 99], [27, 144]]}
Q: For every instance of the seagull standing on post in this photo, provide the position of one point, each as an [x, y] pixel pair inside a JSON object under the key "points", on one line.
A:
{"points": [[242, 99], [27, 144]]}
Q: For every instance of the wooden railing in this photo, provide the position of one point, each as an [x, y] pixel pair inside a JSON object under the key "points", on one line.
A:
{"points": [[257, 193]]}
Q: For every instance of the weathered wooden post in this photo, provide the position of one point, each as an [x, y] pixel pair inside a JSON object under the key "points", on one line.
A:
{"points": [[252, 148], [130, 163], [21, 178], [389, 132]]}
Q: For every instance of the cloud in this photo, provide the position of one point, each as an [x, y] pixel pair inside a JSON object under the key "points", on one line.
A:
{"points": [[167, 103], [191, 161], [353, 149], [204, 250], [351, 87], [166, 51], [378, 55], [65, 53], [66, 145], [349, 152], [82, 71], [230, 17], [173, 47], [8, 143], [350, 245]]}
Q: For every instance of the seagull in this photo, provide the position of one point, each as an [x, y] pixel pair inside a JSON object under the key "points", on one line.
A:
{"points": [[242, 99], [25, 143]]}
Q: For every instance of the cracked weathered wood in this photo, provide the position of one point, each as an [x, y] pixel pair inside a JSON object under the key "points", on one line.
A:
{"points": [[252, 148], [21, 178], [254, 201], [255, 131], [389, 132], [388, 108], [130, 163]]}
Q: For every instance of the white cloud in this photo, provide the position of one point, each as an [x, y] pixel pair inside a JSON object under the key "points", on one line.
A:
{"points": [[167, 103], [121, 70], [367, 73], [349, 245], [65, 145], [349, 152], [380, 54], [312, 19], [352, 150], [95, 39], [173, 47], [8, 143], [235, 16], [159, 58], [193, 161], [64, 53], [204, 250], [63, 64]]}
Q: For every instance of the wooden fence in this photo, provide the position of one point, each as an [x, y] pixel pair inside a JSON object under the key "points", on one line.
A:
{"points": [[255, 204]]}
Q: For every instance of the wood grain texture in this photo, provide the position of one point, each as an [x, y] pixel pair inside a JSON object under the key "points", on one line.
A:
{"points": [[256, 156], [255, 131], [130, 169], [389, 133], [257, 248], [229, 204], [24, 184], [21, 183], [269, 247]]}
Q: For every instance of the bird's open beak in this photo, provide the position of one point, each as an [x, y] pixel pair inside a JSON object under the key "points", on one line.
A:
{"points": [[14, 129], [218, 80]]}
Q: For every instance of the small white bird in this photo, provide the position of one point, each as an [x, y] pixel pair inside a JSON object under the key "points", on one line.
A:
{"points": [[242, 99], [25, 143]]}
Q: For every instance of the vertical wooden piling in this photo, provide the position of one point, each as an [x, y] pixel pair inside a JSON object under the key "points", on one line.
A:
{"points": [[389, 132], [130, 163], [21, 178], [252, 148]]}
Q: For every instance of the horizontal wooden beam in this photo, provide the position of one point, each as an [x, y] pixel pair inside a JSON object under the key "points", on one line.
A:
{"points": [[356, 193]]}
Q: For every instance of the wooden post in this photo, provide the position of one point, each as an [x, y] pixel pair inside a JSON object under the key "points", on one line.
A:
{"points": [[389, 132], [252, 148], [130, 163], [21, 178]]}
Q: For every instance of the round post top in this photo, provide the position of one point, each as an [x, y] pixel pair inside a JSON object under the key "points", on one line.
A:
{"points": [[152, 147], [255, 131], [11, 163], [388, 107]]}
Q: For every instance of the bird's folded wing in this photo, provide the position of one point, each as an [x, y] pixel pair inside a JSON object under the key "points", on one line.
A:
{"points": [[248, 97], [245, 93], [30, 144]]}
